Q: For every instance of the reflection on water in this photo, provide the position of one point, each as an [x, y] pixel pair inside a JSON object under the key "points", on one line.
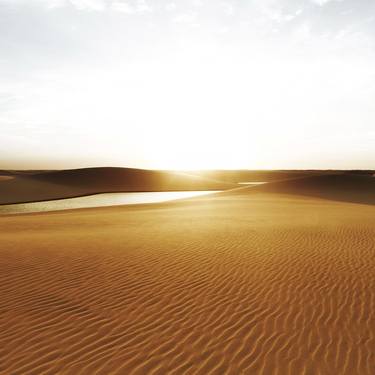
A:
{"points": [[251, 183], [100, 200], [6, 178]]}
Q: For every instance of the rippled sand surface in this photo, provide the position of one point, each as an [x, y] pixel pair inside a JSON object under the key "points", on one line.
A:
{"points": [[237, 283]]}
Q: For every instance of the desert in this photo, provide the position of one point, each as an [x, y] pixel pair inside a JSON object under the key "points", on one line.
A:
{"points": [[272, 279], [187, 187]]}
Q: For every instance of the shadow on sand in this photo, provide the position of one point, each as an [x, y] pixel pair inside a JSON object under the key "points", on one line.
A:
{"points": [[346, 187]]}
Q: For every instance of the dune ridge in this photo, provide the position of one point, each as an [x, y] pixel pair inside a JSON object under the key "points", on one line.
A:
{"points": [[346, 187], [47, 185], [31, 186], [235, 283]]}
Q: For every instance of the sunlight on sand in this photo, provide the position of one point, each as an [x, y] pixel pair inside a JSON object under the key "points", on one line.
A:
{"points": [[100, 200]]}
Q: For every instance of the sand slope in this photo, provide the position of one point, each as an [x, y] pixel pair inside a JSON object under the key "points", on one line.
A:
{"points": [[257, 175], [256, 283], [39, 186], [345, 187]]}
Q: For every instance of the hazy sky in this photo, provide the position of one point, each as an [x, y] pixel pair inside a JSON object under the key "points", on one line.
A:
{"points": [[187, 84]]}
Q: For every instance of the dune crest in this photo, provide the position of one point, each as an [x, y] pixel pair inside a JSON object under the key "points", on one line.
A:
{"points": [[46, 185], [344, 187]]}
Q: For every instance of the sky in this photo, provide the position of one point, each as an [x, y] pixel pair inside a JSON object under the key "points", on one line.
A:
{"points": [[188, 84]]}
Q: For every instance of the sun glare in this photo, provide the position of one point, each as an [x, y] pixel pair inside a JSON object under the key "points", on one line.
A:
{"points": [[198, 96]]}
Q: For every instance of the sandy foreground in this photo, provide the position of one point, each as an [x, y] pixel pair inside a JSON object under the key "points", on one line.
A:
{"points": [[232, 283]]}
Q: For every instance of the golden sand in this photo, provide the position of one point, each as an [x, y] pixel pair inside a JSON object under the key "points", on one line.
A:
{"points": [[233, 283]]}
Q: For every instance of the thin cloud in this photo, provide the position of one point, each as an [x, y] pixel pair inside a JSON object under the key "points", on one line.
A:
{"points": [[323, 2], [96, 5], [139, 6], [129, 7], [168, 66]]}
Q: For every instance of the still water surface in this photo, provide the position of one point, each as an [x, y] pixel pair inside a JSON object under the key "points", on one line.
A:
{"points": [[99, 200]]}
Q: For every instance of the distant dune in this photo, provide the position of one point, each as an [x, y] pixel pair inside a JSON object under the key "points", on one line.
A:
{"points": [[347, 187], [236, 176], [39, 185], [272, 280], [29, 186]]}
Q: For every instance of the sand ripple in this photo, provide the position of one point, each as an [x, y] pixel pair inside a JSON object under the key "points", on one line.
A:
{"points": [[210, 287]]}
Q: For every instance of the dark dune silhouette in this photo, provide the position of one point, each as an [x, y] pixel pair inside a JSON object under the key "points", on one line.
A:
{"points": [[47, 185], [29, 186], [130, 179], [236, 176], [346, 187]]}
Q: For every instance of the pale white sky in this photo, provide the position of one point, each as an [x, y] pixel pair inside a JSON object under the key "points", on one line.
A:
{"points": [[187, 84]]}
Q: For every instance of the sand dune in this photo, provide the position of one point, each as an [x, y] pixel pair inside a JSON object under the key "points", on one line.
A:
{"points": [[39, 186], [236, 176], [345, 187], [240, 283]]}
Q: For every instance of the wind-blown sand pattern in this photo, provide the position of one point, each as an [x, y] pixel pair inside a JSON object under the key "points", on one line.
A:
{"points": [[244, 282]]}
